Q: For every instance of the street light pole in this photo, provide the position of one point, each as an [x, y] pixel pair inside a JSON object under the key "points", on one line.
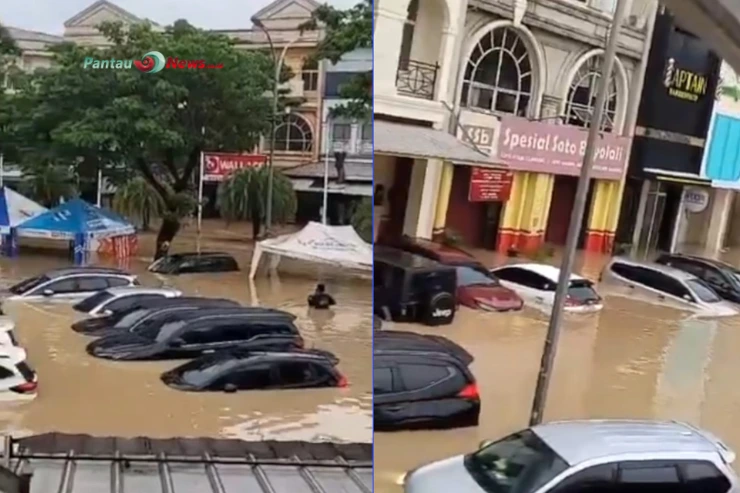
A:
{"points": [[576, 218]]}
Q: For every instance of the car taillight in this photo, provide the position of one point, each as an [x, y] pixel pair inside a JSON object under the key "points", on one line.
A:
{"points": [[470, 391], [25, 388], [343, 382], [571, 302]]}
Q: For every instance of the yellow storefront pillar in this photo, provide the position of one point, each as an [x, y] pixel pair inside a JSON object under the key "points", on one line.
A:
{"points": [[443, 198], [605, 207], [525, 214]]}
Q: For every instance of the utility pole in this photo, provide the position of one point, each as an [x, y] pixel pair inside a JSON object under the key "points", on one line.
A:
{"points": [[576, 218]]}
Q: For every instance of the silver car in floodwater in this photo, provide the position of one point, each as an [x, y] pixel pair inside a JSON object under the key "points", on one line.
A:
{"points": [[587, 456], [112, 299], [664, 285], [68, 284]]}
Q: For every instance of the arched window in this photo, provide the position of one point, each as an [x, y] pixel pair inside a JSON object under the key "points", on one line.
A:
{"points": [[582, 95], [498, 75], [293, 134]]}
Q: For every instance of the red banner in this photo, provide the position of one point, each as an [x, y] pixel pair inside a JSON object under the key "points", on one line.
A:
{"points": [[218, 165], [489, 185]]}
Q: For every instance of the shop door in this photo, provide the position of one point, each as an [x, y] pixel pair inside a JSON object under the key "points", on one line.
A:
{"points": [[391, 228], [491, 224], [647, 242]]}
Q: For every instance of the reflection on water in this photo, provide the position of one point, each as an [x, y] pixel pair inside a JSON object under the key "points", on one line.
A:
{"points": [[632, 360], [80, 394]]}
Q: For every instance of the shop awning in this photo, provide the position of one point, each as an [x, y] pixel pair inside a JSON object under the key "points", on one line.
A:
{"points": [[317, 185], [396, 139]]}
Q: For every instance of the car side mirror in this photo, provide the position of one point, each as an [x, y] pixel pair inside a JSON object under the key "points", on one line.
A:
{"points": [[229, 388], [107, 313], [47, 292], [484, 444]]}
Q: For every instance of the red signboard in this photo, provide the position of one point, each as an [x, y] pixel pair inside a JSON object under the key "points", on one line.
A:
{"points": [[489, 185], [218, 165]]}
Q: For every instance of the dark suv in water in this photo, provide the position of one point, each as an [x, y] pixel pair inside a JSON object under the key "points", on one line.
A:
{"points": [[422, 382], [186, 336], [194, 263], [412, 288], [231, 371]]}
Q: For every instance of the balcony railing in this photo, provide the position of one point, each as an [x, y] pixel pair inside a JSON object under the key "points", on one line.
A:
{"points": [[417, 79], [353, 147]]}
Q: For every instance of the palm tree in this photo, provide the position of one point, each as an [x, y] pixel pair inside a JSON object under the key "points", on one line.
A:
{"points": [[138, 200], [48, 184], [242, 197]]}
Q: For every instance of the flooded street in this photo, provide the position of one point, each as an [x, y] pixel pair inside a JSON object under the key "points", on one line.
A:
{"points": [[81, 394], [632, 360]]}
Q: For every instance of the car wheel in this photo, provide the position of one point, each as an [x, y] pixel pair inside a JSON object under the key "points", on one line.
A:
{"points": [[440, 310]]}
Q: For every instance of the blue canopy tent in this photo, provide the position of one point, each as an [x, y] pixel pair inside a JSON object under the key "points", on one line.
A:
{"points": [[78, 222]]}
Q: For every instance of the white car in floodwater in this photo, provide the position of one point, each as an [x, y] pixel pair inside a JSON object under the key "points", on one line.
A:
{"points": [[118, 299], [18, 381], [536, 284], [665, 285]]}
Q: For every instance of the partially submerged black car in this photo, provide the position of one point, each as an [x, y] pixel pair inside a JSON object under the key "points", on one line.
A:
{"points": [[181, 336], [194, 263], [230, 371], [422, 382], [411, 288], [124, 319]]}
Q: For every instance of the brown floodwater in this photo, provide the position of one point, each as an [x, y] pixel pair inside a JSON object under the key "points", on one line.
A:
{"points": [[82, 394], [632, 360]]}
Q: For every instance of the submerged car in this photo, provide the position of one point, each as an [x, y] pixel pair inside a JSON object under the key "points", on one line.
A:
{"points": [[192, 263], [587, 457], [235, 370], [124, 319], [422, 382], [722, 277], [176, 338], [665, 285], [116, 299], [477, 288], [18, 381], [536, 284], [412, 288], [69, 284]]}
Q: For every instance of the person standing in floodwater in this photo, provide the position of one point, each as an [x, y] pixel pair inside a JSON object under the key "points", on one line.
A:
{"points": [[320, 299]]}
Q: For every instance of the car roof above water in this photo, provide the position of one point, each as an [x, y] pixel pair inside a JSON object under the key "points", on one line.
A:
{"points": [[142, 290], [550, 272], [665, 269], [68, 271], [406, 260], [579, 441], [257, 313]]}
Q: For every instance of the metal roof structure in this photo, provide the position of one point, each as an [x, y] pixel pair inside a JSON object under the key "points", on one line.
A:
{"points": [[62, 463]]}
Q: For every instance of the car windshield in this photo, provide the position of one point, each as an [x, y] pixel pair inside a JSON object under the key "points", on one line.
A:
{"points": [[166, 264], [201, 371], [519, 463], [29, 284], [582, 291], [469, 276], [703, 291], [93, 301], [156, 331], [130, 318]]}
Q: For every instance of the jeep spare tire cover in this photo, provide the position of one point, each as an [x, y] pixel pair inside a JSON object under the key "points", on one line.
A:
{"points": [[440, 310]]}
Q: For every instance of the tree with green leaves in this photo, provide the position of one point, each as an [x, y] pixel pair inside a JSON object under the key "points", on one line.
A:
{"points": [[138, 201], [47, 183], [347, 30], [156, 123], [241, 197]]}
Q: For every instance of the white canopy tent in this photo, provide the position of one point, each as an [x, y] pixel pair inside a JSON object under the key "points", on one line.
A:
{"points": [[339, 246]]}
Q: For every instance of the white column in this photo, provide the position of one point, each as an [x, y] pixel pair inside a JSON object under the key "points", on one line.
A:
{"points": [[721, 208], [447, 65], [422, 198], [387, 41]]}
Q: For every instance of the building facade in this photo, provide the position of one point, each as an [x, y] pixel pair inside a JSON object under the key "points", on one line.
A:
{"points": [[345, 152], [515, 79], [669, 202]]}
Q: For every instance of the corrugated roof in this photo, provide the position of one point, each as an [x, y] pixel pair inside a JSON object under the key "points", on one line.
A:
{"points": [[19, 34], [396, 139], [85, 464], [355, 170]]}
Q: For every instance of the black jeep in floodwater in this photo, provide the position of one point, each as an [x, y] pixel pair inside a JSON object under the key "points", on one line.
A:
{"points": [[411, 288]]}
